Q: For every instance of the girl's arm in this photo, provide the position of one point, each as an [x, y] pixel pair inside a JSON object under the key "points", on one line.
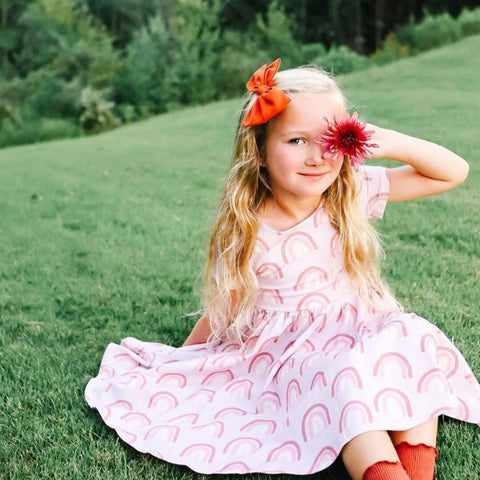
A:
{"points": [[200, 332], [429, 169]]}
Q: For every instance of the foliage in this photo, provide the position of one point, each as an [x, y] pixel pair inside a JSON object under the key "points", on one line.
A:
{"points": [[268, 38], [197, 44], [97, 112], [341, 60], [145, 77], [310, 51], [469, 21], [432, 32], [152, 56], [391, 51], [274, 35]]}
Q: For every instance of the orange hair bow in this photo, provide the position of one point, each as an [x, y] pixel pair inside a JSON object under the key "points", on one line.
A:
{"points": [[270, 101]]}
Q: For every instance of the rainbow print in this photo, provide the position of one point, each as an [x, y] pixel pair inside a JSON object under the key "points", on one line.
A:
{"points": [[236, 467], [428, 344], [270, 296], [215, 429], [346, 379], [319, 382], [312, 300], [186, 419], [242, 446], [177, 380], [127, 437], [394, 402], [202, 452], [124, 361], [202, 397], [311, 277], [120, 405], [288, 451], [393, 365], [293, 394], [218, 379], [448, 361], [269, 270], [433, 381], [297, 245], [241, 388], [268, 402], [163, 401], [106, 372], [137, 419], [229, 412], [265, 427], [167, 433], [260, 363], [325, 458], [354, 413], [134, 379], [339, 342], [315, 420]]}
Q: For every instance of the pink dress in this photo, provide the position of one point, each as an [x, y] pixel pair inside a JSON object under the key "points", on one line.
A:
{"points": [[319, 368]]}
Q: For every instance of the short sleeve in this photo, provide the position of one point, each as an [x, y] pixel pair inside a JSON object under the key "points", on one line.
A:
{"points": [[373, 190]]}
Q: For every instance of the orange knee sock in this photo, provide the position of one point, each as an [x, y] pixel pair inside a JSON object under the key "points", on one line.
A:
{"points": [[417, 460], [385, 471]]}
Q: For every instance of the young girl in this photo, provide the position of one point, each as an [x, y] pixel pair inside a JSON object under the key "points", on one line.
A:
{"points": [[303, 355]]}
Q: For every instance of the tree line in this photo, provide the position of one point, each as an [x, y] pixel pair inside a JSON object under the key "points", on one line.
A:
{"points": [[73, 66]]}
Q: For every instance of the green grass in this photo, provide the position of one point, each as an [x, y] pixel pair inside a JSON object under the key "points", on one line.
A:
{"points": [[104, 237]]}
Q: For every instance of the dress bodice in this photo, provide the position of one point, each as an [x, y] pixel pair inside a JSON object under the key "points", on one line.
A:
{"points": [[303, 266]]}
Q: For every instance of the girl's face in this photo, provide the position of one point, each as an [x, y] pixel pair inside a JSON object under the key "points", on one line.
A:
{"points": [[296, 169]]}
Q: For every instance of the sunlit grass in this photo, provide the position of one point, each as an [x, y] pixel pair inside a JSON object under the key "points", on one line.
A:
{"points": [[104, 237]]}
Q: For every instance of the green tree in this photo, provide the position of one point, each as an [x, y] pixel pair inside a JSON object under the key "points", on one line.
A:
{"points": [[10, 36], [274, 35], [197, 40], [144, 80], [64, 50]]}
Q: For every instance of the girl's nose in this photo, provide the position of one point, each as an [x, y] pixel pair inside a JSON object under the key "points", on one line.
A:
{"points": [[315, 156]]}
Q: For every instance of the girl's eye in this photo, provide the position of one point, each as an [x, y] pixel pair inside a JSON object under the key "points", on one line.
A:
{"points": [[296, 141]]}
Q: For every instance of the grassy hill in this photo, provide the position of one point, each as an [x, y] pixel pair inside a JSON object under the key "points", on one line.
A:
{"points": [[104, 237]]}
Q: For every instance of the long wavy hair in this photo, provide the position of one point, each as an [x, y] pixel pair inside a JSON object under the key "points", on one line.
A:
{"points": [[230, 285]]}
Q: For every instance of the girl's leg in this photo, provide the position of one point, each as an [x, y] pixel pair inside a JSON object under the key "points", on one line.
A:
{"points": [[416, 449], [424, 433], [367, 450]]}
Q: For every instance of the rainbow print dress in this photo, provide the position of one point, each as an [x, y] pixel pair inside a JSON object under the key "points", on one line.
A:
{"points": [[319, 367]]}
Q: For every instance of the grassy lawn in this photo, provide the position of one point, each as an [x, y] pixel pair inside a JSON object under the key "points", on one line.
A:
{"points": [[104, 237]]}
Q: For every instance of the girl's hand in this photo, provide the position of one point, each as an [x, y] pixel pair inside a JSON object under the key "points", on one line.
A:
{"points": [[429, 169]]}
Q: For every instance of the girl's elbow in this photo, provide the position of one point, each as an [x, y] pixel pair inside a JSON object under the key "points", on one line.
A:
{"points": [[461, 173]]}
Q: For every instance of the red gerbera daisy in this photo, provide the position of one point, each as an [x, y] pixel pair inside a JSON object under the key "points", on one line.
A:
{"points": [[347, 137]]}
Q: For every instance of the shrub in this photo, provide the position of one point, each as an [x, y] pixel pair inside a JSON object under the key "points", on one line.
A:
{"points": [[390, 51], [197, 42], [98, 111], [274, 35], [341, 60], [434, 31], [311, 51], [469, 22], [24, 126], [143, 78], [239, 58]]}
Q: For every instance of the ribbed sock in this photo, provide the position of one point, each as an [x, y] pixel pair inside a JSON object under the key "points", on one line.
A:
{"points": [[417, 460], [385, 471]]}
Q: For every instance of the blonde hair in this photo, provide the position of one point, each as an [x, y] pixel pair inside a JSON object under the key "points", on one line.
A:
{"points": [[230, 285]]}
